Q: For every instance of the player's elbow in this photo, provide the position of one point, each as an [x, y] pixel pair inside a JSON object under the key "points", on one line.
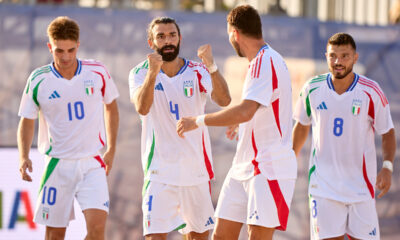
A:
{"points": [[142, 110], [225, 101]]}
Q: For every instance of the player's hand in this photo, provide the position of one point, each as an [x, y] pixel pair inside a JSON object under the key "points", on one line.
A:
{"points": [[231, 132], [384, 181], [155, 62], [108, 158], [24, 164], [185, 124], [205, 54]]}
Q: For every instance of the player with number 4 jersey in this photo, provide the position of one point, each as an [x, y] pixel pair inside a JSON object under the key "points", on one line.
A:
{"points": [[345, 110], [177, 172], [74, 100]]}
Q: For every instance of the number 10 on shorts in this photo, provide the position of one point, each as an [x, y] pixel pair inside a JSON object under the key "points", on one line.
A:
{"points": [[51, 194]]}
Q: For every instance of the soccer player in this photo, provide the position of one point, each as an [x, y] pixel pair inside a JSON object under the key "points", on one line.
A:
{"points": [[259, 186], [345, 110], [74, 99], [177, 172]]}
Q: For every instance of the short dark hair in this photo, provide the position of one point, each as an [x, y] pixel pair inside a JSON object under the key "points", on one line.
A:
{"points": [[247, 20], [63, 28], [160, 20], [342, 39]]}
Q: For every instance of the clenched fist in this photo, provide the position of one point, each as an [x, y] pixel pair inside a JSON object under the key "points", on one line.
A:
{"points": [[205, 54], [155, 62]]}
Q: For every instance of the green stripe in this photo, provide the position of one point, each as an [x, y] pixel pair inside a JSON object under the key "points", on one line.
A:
{"points": [[145, 186], [49, 150], [319, 78], [312, 169], [49, 169], [180, 227], [35, 92], [308, 105], [145, 65], [39, 72], [150, 157], [28, 84]]}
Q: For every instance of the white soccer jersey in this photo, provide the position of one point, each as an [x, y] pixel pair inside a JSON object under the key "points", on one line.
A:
{"points": [[71, 122], [166, 157], [343, 157], [265, 141]]}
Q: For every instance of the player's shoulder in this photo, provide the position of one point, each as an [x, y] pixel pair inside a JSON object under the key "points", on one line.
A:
{"points": [[371, 87], [40, 73], [92, 65], [195, 65], [316, 81], [142, 67]]}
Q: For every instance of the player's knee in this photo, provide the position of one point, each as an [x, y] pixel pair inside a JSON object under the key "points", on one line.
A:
{"points": [[55, 235], [219, 235], [197, 236], [95, 232]]}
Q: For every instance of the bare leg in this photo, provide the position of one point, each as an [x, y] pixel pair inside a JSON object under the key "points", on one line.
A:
{"points": [[53, 233], [95, 224], [226, 230]]}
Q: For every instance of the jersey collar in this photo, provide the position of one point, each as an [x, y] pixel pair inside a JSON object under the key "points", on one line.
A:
{"points": [[265, 46], [351, 87], [183, 68], [58, 75]]}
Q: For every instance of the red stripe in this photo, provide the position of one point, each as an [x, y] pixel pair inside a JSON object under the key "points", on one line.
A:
{"points": [[275, 104], [376, 89], [259, 67], [254, 162], [369, 185], [103, 89], [201, 87], [28, 209], [101, 140], [371, 109], [207, 160], [256, 67], [252, 70], [96, 64], [281, 206], [209, 186], [98, 158]]}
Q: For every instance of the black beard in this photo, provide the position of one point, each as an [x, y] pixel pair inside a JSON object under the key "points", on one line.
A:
{"points": [[170, 56], [341, 76]]}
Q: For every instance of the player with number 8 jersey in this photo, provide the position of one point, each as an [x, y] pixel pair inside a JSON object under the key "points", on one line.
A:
{"points": [[345, 110]]}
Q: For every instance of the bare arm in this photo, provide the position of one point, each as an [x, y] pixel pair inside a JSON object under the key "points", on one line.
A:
{"points": [[384, 178], [26, 130], [226, 117], [220, 93], [300, 134], [143, 97], [111, 117]]}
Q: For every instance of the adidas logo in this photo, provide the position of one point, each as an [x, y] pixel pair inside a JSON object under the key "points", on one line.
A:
{"points": [[209, 222], [159, 87], [106, 204], [373, 233], [54, 95], [322, 106]]}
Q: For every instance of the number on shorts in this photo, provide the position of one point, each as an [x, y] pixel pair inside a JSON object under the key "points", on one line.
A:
{"points": [[314, 208], [51, 195]]}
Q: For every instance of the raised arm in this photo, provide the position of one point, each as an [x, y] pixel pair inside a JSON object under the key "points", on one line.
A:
{"points": [[300, 134], [220, 93], [144, 95], [26, 130], [384, 178], [111, 119]]}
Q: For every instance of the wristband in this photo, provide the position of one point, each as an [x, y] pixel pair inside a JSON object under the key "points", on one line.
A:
{"points": [[200, 120], [213, 68], [388, 164]]}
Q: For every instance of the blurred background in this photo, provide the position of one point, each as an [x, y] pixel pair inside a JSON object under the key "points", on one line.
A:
{"points": [[114, 32]]}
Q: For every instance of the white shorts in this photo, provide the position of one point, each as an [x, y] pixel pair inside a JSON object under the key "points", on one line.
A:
{"points": [[330, 218], [62, 181], [256, 201], [167, 208]]}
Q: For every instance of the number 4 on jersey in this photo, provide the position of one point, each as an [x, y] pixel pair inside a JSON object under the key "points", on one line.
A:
{"points": [[174, 110]]}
